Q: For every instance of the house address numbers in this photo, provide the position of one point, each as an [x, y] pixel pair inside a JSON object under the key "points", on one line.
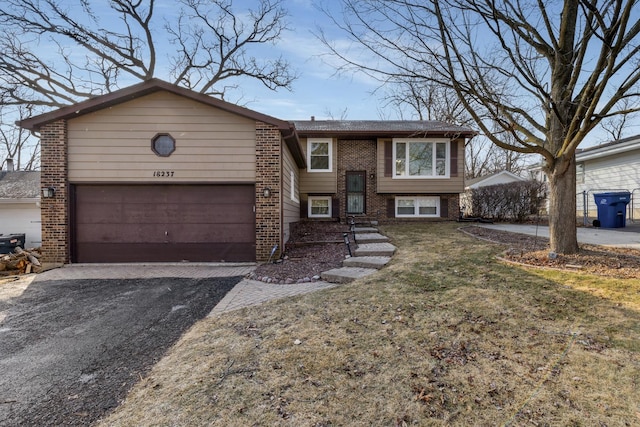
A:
{"points": [[163, 174]]}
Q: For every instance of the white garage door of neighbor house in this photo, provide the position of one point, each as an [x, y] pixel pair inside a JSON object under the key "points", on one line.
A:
{"points": [[22, 218]]}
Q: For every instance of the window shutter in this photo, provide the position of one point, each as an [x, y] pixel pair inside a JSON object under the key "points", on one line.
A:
{"points": [[454, 158], [391, 208], [444, 208], [335, 207], [304, 208], [388, 159]]}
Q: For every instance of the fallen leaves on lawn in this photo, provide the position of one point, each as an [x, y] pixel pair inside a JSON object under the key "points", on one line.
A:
{"points": [[623, 263]]}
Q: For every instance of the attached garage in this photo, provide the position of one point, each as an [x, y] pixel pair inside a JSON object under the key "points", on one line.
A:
{"points": [[163, 223], [159, 173]]}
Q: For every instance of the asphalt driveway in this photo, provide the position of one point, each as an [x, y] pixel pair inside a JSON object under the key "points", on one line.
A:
{"points": [[70, 349]]}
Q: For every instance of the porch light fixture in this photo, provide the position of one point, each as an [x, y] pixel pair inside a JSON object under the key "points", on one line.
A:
{"points": [[266, 192], [48, 192]]}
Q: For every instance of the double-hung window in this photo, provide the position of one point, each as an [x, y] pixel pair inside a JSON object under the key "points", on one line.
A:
{"points": [[319, 154], [421, 158]]}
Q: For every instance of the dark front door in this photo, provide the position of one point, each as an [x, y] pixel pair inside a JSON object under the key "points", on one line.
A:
{"points": [[356, 190]]}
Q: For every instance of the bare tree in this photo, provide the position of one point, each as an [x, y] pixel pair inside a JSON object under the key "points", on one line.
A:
{"points": [[547, 73], [214, 44], [55, 53], [426, 100], [17, 143], [343, 114], [617, 127]]}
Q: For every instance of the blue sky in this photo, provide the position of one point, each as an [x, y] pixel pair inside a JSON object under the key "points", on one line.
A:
{"points": [[318, 90]]}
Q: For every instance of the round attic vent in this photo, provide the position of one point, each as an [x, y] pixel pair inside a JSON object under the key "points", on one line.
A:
{"points": [[163, 144]]}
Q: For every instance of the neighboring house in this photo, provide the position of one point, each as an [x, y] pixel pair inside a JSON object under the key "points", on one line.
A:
{"points": [[610, 167], [20, 205], [502, 177], [156, 172]]}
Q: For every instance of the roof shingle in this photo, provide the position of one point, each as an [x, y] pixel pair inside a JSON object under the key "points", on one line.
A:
{"points": [[20, 185], [381, 127]]}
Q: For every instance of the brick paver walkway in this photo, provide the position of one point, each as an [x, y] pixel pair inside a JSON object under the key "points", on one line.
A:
{"points": [[252, 292]]}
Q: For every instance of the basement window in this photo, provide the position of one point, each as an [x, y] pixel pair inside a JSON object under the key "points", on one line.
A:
{"points": [[417, 206], [319, 207], [163, 144]]}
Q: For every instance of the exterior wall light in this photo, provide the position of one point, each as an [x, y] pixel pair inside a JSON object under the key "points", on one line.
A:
{"points": [[266, 192], [48, 192]]}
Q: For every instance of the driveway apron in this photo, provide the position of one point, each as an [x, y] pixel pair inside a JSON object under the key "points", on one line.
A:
{"points": [[75, 340]]}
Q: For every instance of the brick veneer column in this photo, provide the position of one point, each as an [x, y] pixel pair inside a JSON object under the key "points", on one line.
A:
{"points": [[268, 210], [360, 155], [54, 211], [454, 206]]}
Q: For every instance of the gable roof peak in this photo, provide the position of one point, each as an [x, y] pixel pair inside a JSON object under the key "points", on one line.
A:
{"points": [[138, 90]]}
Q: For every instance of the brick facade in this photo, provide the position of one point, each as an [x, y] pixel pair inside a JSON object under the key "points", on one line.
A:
{"points": [[360, 155], [268, 209], [55, 211]]}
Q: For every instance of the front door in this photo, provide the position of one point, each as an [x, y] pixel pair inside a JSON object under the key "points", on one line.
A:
{"points": [[356, 190]]}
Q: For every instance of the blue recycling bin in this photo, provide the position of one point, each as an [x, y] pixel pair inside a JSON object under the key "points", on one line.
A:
{"points": [[612, 208]]}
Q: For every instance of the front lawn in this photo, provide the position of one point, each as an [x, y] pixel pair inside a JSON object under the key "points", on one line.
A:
{"points": [[444, 335]]}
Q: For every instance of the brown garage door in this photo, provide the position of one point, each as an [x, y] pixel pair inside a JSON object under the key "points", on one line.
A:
{"points": [[163, 223]]}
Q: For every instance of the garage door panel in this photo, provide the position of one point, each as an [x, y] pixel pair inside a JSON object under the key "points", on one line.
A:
{"points": [[119, 223], [116, 252], [107, 213], [198, 233], [172, 233]]}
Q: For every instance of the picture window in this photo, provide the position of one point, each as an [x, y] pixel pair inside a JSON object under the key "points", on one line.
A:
{"points": [[415, 158]]}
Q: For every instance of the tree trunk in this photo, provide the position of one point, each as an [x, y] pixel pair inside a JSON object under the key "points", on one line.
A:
{"points": [[562, 206]]}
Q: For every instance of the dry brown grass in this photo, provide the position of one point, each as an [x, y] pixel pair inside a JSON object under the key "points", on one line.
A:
{"points": [[445, 335]]}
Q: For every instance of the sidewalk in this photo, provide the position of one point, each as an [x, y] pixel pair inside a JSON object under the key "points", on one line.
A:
{"points": [[630, 238]]}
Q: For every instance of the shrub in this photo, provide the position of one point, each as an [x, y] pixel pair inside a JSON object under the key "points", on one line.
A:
{"points": [[514, 201]]}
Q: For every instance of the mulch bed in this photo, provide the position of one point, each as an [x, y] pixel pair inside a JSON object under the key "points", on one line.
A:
{"points": [[534, 251], [307, 254]]}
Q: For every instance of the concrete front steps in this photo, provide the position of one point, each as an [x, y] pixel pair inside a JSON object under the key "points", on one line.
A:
{"points": [[374, 249], [375, 262], [370, 238], [372, 253], [346, 274]]}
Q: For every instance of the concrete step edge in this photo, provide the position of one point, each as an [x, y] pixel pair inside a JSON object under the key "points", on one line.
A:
{"points": [[376, 262], [346, 274]]}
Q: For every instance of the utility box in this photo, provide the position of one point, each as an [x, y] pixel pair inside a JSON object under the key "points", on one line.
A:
{"points": [[612, 208], [9, 243]]}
